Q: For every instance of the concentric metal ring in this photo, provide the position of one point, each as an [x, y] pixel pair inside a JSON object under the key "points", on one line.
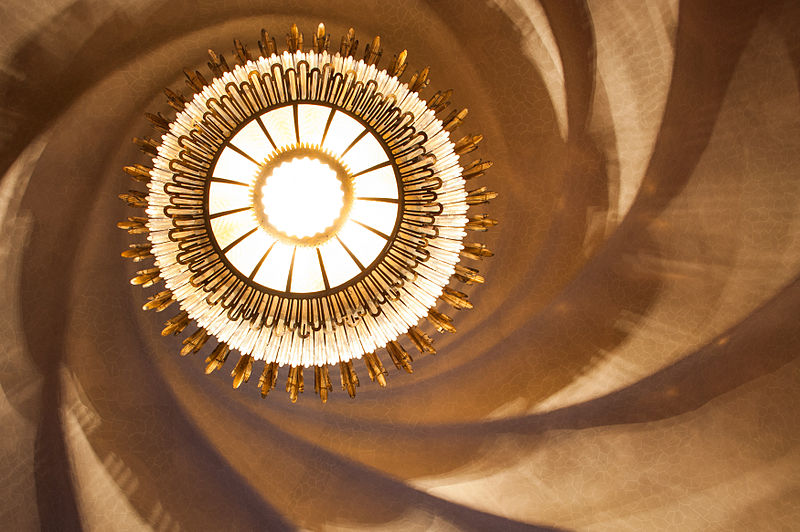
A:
{"points": [[339, 294]]}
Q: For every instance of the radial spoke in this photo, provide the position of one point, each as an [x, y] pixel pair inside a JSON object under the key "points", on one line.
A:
{"points": [[228, 181], [355, 141], [347, 249], [370, 228], [322, 269], [260, 262], [229, 246], [241, 152], [373, 168], [226, 213], [296, 123], [291, 269], [327, 126], [382, 200], [266, 133]]}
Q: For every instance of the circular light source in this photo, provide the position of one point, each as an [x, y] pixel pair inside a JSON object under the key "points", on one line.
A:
{"points": [[302, 198], [308, 209]]}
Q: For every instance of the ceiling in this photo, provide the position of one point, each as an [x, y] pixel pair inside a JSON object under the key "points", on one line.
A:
{"points": [[631, 362]]}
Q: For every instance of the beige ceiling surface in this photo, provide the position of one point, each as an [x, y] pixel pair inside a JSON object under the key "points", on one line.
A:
{"points": [[631, 362]]}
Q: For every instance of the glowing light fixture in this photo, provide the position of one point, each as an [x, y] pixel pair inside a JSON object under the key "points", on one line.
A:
{"points": [[307, 210], [301, 198]]}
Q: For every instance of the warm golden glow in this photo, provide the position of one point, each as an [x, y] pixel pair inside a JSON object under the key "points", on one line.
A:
{"points": [[272, 211], [313, 218], [302, 197]]}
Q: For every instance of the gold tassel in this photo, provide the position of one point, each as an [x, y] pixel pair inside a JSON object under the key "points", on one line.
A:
{"points": [[480, 196], [475, 251], [137, 252], [217, 65], [481, 222], [467, 143], [476, 169], [468, 275], [349, 44], [159, 302], [294, 40], [442, 322], [398, 64], [195, 342], [421, 341], [268, 378], [176, 324], [440, 101], [349, 378], [241, 51], [138, 172], [373, 52], [175, 99], [195, 80], [294, 383], [147, 278], [134, 198], [400, 357], [267, 44], [135, 225], [217, 357], [455, 119], [322, 382], [147, 145], [375, 369], [419, 80], [158, 121], [241, 373], [454, 298], [321, 40]]}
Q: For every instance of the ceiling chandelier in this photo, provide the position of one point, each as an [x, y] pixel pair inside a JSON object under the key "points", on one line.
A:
{"points": [[307, 209]]}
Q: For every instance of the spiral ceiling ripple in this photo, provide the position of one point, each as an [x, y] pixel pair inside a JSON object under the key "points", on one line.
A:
{"points": [[631, 362]]}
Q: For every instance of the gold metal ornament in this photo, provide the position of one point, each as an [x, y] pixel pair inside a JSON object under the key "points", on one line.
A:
{"points": [[241, 224]]}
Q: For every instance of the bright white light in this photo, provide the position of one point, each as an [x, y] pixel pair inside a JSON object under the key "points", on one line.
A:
{"points": [[303, 197]]}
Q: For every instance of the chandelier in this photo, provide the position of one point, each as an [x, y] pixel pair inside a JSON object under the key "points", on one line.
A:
{"points": [[307, 210]]}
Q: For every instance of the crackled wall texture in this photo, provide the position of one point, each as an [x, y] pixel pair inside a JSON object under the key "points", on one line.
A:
{"points": [[632, 362]]}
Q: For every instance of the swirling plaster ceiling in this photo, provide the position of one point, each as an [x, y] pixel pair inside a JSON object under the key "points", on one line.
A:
{"points": [[632, 359]]}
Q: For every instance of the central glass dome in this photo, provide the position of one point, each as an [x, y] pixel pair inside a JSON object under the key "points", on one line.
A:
{"points": [[302, 199]]}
